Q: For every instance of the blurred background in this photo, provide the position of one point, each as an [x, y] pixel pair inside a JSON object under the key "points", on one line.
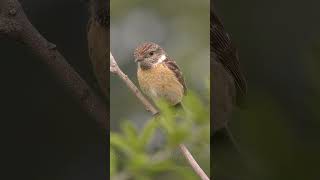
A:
{"points": [[181, 27], [183, 31], [44, 132], [45, 135], [278, 129]]}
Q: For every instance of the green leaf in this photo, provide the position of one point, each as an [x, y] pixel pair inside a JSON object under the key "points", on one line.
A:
{"points": [[119, 142], [128, 129], [167, 124], [196, 109], [161, 166], [138, 162], [187, 173], [166, 110], [147, 132], [131, 134], [178, 136]]}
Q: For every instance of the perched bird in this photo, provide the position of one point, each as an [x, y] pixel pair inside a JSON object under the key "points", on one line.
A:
{"points": [[228, 82], [98, 42], [159, 76]]}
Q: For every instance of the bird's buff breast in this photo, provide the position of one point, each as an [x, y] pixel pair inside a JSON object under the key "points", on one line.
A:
{"points": [[159, 82]]}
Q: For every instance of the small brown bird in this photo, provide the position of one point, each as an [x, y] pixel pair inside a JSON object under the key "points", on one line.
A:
{"points": [[159, 76]]}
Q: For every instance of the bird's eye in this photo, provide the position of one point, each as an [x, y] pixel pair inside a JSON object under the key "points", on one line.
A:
{"points": [[151, 53]]}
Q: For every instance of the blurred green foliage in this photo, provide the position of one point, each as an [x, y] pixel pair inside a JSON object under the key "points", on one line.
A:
{"points": [[131, 158]]}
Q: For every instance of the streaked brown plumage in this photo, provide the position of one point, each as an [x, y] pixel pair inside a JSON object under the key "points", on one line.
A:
{"points": [[229, 84], [159, 76], [225, 53]]}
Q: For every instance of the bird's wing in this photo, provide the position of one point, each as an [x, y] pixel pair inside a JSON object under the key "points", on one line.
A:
{"points": [[172, 65], [226, 53]]}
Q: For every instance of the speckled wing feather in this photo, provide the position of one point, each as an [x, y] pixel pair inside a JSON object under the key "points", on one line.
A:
{"points": [[175, 68], [225, 53]]}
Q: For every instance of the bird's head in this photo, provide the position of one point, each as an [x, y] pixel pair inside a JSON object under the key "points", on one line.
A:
{"points": [[149, 54]]}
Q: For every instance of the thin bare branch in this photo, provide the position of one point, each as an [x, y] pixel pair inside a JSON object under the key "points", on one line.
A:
{"points": [[193, 162], [114, 68]]}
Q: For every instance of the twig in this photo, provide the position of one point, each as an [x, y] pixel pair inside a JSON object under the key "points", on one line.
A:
{"points": [[15, 25], [114, 68]]}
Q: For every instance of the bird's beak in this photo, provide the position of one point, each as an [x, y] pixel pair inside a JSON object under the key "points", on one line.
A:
{"points": [[138, 60]]}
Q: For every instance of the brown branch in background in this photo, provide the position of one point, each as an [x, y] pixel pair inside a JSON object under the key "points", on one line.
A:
{"points": [[114, 68], [15, 25]]}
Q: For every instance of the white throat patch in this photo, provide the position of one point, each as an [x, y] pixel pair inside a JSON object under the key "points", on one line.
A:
{"points": [[161, 59]]}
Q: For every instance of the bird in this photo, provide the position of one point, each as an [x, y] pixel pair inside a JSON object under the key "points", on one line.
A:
{"points": [[98, 29], [228, 82], [158, 75]]}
